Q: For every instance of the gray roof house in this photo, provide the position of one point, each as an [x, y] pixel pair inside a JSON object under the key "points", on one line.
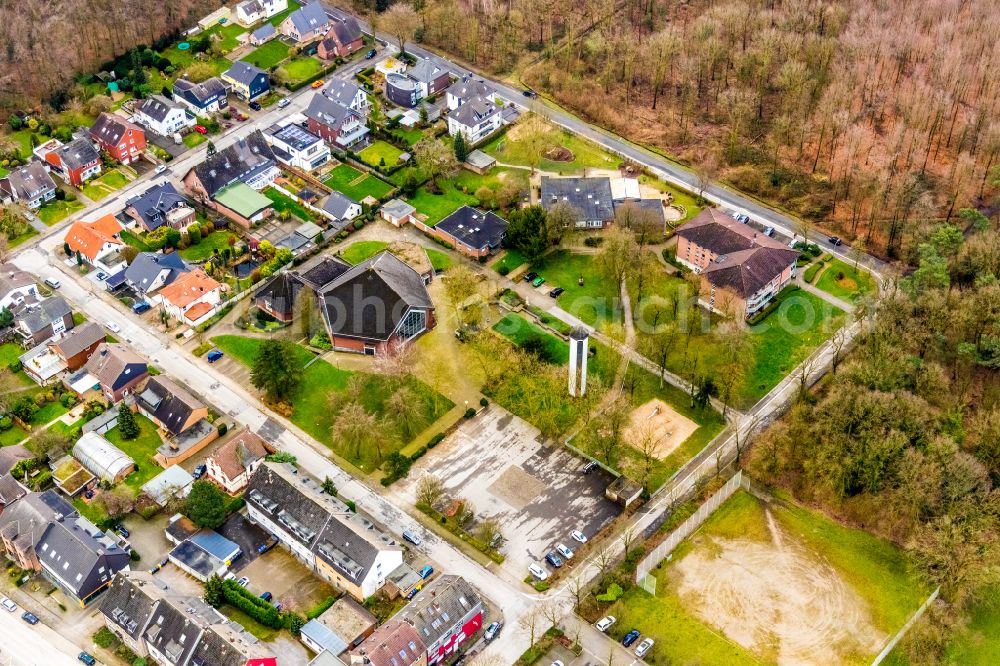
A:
{"points": [[264, 33], [306, 23], [30, 184], [590, 197], [346, 93], [204, 97], [11, 455], [341, 206], [472, 231], [465, 89], [78, 153], [150, 271], [250, 161], [38, 321], [168, 404], [43, 532], [247, 81], [160, 204], [117, 369]]}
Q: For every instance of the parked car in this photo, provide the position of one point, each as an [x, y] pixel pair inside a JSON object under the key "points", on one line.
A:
{"points": [[555, 293], [557, 663], [318, 84], [769, 231], [835, 241], [254, 105], [243, 582], [426, 571], [214, 355], [605, 623], [493, 630], [52, 282], [530, 276], [199, 471], [227, 125], [160, 168], [122, 530], [8, 604], [538, 572], [530, 93], [267, 596], [590, 467], [564, 551], [30, 618], [201, 129], [141, 307], [283, 102], [233, 109], [370, 54], [643, 647], [87, 658], [411, 537], [630, 637], [101, 275], [538, 281], [553, 559], [579, 536], [113, 327]]}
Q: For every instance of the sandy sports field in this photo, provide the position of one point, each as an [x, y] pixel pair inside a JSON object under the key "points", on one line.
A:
{"points": [[777, 598], [659, 422]]}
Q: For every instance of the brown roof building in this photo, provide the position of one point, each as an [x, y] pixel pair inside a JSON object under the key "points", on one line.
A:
{"points": [[233, 463], [395, 643], [742, 269], [117, 369]]}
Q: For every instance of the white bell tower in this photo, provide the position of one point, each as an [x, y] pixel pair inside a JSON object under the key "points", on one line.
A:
{"points": [[579, 348]]}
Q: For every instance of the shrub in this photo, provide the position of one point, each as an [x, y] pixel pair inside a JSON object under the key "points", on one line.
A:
{"points": [[14, 366], [435, 440], [503, 269], [351, 506], [222, 428], [248, 602], [594, 241], [6, 423], [469, 413], [134, 555], [483, 402], [104, 638]]}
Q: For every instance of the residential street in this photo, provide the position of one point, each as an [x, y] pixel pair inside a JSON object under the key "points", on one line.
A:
{"points": [[24, 645]]}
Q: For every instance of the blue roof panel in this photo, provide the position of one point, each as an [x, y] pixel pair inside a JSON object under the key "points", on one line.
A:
{"points": [[216, 544]]}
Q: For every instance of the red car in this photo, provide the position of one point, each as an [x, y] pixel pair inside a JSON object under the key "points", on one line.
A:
{"points": [[201, 129]]}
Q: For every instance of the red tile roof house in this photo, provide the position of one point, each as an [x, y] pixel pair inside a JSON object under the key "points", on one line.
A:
{"points": [[123, 140], [191, 298], [342, 39], [98, 242], [77, 161], [394, 643], [741, 269], [233, 463]]}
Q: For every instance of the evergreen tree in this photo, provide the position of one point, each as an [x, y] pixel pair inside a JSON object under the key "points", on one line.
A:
{"points": [[127, 425], [206, 504], [461, 148], [214, 592], [276, 371]]}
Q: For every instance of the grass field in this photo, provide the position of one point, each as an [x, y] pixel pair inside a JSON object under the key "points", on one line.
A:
{"points": [[217, 240], [357, 185], [519, 330], [440, 261], [355, 253], [596, 302], [510, 148], [381, 153], [511, 259], [823, 581], [108, 183], [141, 450], [192, 139], [3, 172], [229, 34], [439, 206], [280, 16], [56, 211], [681, 197], [268, 55], [23, 140], [843, 281], [410, 136], [312, 409], [283, 202], [495, 179], [299, 69], [135, 240]]}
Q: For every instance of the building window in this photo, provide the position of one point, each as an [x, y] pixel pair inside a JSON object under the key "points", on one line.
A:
{"points": [[413, 323]]}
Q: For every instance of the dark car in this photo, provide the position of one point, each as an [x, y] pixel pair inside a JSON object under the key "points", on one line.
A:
{"points": [[530, 93], [254, 105], [590, 467], [530, 276], [87, 658], [199, 471], [553, 559], [630, 637], [30, 618], [267, 596], [370, 54], [122, 530], [555, 293], [834, 240]]}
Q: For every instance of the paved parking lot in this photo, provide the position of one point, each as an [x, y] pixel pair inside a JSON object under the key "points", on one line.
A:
{"points": [[245, 535], [291, 582], [536, 492]]}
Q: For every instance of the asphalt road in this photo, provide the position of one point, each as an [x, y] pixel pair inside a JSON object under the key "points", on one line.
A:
{"points": [[24, 645]]}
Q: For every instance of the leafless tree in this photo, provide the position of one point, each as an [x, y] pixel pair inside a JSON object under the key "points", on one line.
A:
{"points": [[488, 530], [628, 540], [530, 620], [401, 21]]}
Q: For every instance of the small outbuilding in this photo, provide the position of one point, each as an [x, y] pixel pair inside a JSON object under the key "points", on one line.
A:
{"points": [[102, 458], [172, 482], [623, 491]]}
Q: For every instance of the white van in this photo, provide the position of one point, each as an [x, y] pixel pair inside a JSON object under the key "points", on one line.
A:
{"points": [[538, 572], [52, 282]]}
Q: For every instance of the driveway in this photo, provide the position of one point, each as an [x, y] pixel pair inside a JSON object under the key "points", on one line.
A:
{"points": [[247, 536], [291, 582], [534, 490]]}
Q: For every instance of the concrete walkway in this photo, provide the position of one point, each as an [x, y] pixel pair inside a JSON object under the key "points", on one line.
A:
{"points": [[816, 291]]}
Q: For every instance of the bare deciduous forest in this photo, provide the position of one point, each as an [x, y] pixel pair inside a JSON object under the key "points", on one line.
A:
{"points": [[871, 117], [46, 44]]}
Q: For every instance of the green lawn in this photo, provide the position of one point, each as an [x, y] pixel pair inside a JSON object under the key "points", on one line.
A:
{"points": [[299, 69], [17, 240], [496, 178], [312, 410], [440, 261], [355, 253], [268, 55], [596, 302], [517, 151], [9, 352], [409, 135], [875, 569], [56, 211], [217, 240], [978, 644], [680, 197], [261, 632], [192, 139], [49, 412], [511, 259], [230, 35], [3, 172], [141, 450], [843, 281], [357, 185], [23, 139], [108, 183], [519, 331], [283, 202], [381, 153], [280, 16], [439, 206], [135, 240]]}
